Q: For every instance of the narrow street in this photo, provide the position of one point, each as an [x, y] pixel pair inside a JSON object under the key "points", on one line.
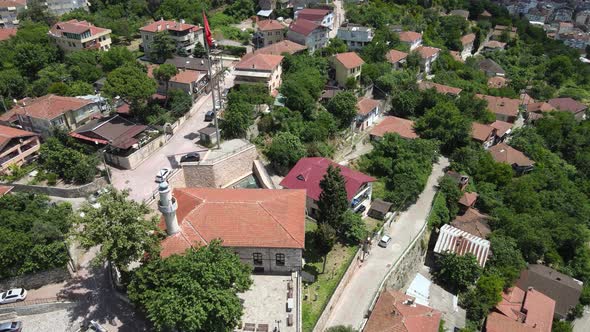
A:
{"points": [[339, 17], [141, 181], [358, 294]]}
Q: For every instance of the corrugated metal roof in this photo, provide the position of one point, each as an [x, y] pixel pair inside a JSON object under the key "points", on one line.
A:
{"points": [[452, 239]]}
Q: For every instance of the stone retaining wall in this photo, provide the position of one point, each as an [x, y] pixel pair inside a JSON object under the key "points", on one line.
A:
{"points": [[409, 264], [66, 192], [36, 280]]}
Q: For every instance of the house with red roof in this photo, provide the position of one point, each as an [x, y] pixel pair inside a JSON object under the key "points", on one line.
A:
{"points": [[268, 32], [308, 172], [323, 17], [457, 241], [284, 46], [7, 33], [260, 68], [186, 36], [467, 43], [440, 88], [17, 147], [505, 109], [41, 115], [503, 129], [74, 35], [192, 82], [347, 65], [472, 221], [428, 55], [264, 227], [504, 153], [522, 311], [368, 112], [395, 311], [396, 58], [569, 105], [313, 35], [394, 125], [5, 190], [411, 38], [483, 134]]}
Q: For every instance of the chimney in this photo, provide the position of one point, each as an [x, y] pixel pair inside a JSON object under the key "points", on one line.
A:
{"points": [[182, 21], [168, 207]]}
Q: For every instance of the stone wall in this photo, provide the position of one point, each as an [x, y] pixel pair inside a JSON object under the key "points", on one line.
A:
{"points": [[409, 264], [262, 175], [133, 160], [220, 173], [36, 280], [292, 258], [66, 192]]}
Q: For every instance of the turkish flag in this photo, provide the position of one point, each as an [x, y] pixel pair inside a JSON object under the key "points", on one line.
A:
{"points": [[207, 30]]}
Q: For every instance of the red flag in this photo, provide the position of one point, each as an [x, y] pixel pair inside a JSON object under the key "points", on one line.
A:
{"points": [[207, 30]]}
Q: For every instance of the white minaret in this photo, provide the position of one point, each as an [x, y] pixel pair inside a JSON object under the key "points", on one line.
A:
{"points": [[168, 207]]}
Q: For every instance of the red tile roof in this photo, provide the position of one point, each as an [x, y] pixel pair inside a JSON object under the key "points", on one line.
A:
{"points": [[349, 60], [365, 105], [567, 104], [311, 14], [494, 44], [409, 36], [468, 39], [501, 105], [530, 310], [457, 56], [6, 33], [49, 106], [267, 218], [504, 153], [473, 222], [308, 172], [395, 56], [264, 62], [12, 3], [304, 27], [540, 107], [398, 312], [501, 127], [393, 124], [270, 25], [457, 241], [468, 199], [284, 46], [444, 89], [163, 25], [76, 27], [427, 51], [481, 132], [497, 82], [187, 76], [9, 133], [5, 190]]}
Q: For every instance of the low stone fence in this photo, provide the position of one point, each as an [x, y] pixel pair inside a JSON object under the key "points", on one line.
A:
{"points": [[262, 175], [65, 192], [133, 160], [35, 307], [36, 280]]}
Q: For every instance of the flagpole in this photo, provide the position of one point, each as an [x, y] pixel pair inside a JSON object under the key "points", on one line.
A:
{"points": [[212, 77]]}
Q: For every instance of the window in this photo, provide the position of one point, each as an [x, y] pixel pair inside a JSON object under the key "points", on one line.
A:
{"points": [[257, 258], [280, 259]]}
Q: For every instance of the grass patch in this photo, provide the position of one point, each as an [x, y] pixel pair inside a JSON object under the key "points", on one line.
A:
{"points": [[372, 225], [337, 262]]}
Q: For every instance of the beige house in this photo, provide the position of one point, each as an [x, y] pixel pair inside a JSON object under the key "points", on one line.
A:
{"points": [[269, 32], [74, 35], [347, 65], [16, 147], [185, 35], [260, 68], [41, 115]]}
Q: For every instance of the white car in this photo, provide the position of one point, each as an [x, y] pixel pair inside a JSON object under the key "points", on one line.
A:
{"points": [[13, 295], [384, 242], [163, 175]]}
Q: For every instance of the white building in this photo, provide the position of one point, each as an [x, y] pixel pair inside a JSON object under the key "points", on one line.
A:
{"points": [[185, 35], [355, 36]]}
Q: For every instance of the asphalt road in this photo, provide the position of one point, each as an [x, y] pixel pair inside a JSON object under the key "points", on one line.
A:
{"points": [[141, 181], [358, 294]]}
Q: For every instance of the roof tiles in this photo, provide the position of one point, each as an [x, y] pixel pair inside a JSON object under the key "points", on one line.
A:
{"points": [[393, 124], [349, 60]]}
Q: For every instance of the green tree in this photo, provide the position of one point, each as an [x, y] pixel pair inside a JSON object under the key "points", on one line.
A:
{"points": [[179, 102], [79, 88], [120, 226], [196, 291], [353, 228], [199, 51], [30, 58], [83, 65], [507, 260], [115, 57], [448, 187], [457, 272], [284, 151], [326, 236], [130, 83], [162, 47], [445, 123], [333, 200], [486, 294], [164, 73], [58, 88], [561, 326], [343, 107], [335, 46], [70, 164], [237, 120], [240, 9], [341, 328]]}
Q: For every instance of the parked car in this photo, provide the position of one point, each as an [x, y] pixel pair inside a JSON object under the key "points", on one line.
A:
{"points": [[384, 242], [361, 209], [13, 295], [163, 175], [190, 157], [11, 326], [209, 116]]}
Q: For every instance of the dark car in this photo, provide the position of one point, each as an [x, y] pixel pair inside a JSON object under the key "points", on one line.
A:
{"points": [[11, 326], [361, 209], [190, 157], [209, 116]]}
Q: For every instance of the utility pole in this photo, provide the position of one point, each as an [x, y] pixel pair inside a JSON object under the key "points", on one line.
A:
{"points": [[212, 84]]}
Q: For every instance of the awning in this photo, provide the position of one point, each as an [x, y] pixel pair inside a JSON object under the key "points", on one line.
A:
{"points": [[264, 13]]}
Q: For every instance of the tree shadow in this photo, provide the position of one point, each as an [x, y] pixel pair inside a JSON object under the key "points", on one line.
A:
{"points": [[96, 300], [312, 248]]}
